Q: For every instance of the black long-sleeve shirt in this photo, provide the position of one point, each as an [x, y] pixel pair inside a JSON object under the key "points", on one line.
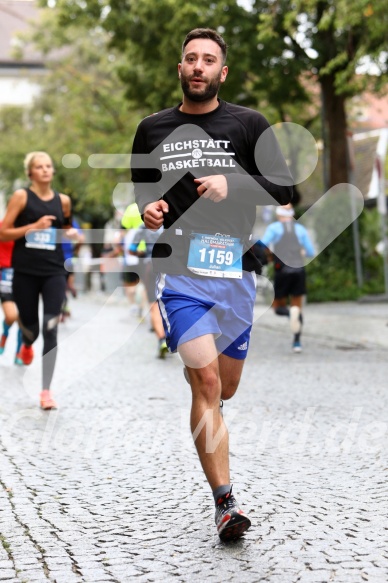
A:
{"points": [[172, 148]]}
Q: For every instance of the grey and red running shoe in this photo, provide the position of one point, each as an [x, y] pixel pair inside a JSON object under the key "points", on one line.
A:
{"points": [[230, 520]]}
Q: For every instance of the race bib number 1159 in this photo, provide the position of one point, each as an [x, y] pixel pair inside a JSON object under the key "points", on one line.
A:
{"points": [[215, 256]]}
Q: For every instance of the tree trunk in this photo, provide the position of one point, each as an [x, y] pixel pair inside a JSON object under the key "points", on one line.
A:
{"points": [[336, 126]]}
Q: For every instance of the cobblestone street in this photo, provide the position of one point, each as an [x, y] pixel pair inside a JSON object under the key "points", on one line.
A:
{"points": [[109, 489]]}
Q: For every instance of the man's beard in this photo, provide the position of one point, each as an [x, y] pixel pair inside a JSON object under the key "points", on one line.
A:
{"points": [[207, 94]]}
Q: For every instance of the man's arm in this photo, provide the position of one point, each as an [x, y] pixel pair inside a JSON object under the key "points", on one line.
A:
{"points": [[305, 241], [265, 177], [274, 186], [272, 234]]}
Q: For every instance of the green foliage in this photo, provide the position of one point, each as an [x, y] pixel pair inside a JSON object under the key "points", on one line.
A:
{"points": [[149, 34], [82, 110], [280, 52], [322, 36], [371, 235], [13, 146], [332, 275], [325, 42]]}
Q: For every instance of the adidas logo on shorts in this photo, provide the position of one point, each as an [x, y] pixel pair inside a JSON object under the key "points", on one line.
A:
{"points": [[243, 346]]}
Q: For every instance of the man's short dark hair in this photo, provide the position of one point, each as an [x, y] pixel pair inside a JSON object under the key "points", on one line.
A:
{"points": [[206, 33]]}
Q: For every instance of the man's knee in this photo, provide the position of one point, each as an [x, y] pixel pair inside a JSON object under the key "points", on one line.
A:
{"points": [[205, 384]]}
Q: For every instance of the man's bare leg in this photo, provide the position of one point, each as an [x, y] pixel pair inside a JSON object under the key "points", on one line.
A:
{"points": [[207, 425], [210, 382], [213, 376], [296, 321], [230, 373]]}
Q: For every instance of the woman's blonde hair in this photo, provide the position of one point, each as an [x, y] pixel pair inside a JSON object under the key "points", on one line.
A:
{"points": [[29, 160]]}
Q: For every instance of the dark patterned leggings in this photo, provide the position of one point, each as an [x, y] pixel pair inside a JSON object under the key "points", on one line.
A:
{"points": [[27, 289]]}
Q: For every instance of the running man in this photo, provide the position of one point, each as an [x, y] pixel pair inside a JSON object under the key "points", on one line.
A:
{"points": [[32, 220], [291, 243], [70, 251], [132, 274], [195, 169], [143, 242]]}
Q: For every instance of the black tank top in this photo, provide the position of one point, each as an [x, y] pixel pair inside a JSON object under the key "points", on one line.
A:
{"points": [[39, 254]]}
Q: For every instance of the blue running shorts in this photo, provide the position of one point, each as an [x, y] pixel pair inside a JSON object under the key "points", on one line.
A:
{"points": [[192, 307]]}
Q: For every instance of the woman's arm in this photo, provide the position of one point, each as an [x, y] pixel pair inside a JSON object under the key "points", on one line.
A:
{"points": [[66, 208], [17, 202], [70, 232]]}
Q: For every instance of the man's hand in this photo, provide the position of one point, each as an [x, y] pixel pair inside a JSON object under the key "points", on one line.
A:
{"points": [[153, 214], [213, 187]]}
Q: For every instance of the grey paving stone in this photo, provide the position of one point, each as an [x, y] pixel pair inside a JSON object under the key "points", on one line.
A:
{"points": [[64, 577], [113, 491], [96, 575], [6, 574], [5, 563]]}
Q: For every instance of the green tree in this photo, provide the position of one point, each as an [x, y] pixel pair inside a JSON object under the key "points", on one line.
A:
{"points": [[328, 40], [82, 110], [281, 52], [149, 35], [14, 144], [331, 276]]}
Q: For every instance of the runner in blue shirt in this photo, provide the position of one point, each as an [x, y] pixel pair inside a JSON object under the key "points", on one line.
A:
{"points": [[290, 242]]}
